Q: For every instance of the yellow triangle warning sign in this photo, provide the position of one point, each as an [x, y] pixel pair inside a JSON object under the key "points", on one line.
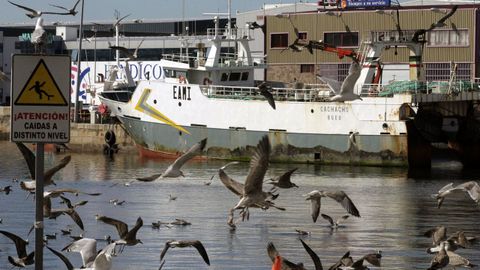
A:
{"points": [[41, 89]]}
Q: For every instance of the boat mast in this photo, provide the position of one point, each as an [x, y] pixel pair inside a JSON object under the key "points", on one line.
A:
{"points": [[117, 25]]}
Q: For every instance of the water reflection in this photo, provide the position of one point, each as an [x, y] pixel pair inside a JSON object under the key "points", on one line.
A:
{"points": [[395, 206]]}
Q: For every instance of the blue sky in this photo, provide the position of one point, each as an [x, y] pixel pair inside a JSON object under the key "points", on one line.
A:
{"points": [[102, 10]]}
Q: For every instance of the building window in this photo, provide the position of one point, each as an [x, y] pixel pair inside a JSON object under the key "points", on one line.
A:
{"points": [[442, 71], [448, 37], [341, 39], [234, 76], [224, 77], [244, 76], [279, 40], [302, 35], [337, 72], [307, 68]]}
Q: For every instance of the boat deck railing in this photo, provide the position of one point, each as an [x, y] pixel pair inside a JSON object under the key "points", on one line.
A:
{"points": [[322, 92], [225, 60], [312, 92]]}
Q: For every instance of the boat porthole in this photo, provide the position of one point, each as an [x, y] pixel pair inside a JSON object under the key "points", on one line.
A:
{"points": [[179, 104], [154, 101], [311, 110]]}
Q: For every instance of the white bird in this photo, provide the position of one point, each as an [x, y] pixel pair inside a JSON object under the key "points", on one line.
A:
{"points": [[470, 187], [346, 90], [87, 247], [39, 36], [339, 196], [174, 169]]}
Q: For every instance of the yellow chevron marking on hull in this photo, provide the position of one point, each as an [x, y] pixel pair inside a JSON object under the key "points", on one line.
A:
{"points": [[142, 106]]}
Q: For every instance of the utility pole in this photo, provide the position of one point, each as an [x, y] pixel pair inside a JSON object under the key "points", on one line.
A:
{"points": [[79, 62]]}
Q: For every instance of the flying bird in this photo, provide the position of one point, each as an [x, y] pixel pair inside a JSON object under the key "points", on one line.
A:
{"points": [[283, 181], [470, 187], [130, 55], [339, 196], [264, 91], [47, 176], [347, 87], [23, 259], [50, 213], [288, 265], [183, 244], [438, 235], [71, 11], [252, 194], [87, 247], [346, 262], [34, 13], [334, 224], [174, 169], [6, 189], [127, 237]]}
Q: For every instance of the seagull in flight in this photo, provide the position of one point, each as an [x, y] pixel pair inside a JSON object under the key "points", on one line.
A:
{"points": [[130, 55], [23, 259], [283, 181], [35, 13], [346, 89], [334, 224], [87, 247], [174, 169], [339, 196], [71, 11], [264, 91], [471, 188], [127, 237], [288, 265], [47, 176], [253, 194], [183, 244]]}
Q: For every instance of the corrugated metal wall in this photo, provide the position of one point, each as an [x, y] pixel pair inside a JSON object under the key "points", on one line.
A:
{"points": [[364, 22]]}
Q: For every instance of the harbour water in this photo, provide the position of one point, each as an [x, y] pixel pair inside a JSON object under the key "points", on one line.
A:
{"points": [[395, 206]]}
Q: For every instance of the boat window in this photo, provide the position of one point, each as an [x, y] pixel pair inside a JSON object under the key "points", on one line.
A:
{"points": [[224, 77], [234, 76], [244, 76]]}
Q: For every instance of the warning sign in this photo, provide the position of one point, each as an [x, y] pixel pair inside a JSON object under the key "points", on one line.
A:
{"points": [[40, 94], [41, 89]]}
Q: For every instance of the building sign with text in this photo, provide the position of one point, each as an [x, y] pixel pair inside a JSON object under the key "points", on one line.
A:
{"points": [[365, 3], [40, 99]]}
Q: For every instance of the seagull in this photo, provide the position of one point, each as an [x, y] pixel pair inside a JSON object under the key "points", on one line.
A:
{"points": [[87, 247], [181, 222], [3, 76], [288, 265], [69, 203], [302, 232], [346, 90], [456, 260], [130, 56], [117, 22], [6, 189], [283, 181], [50, 213], [71, 11], [440, 260], [171, 198], [34, 13], [438, 235], [334, 224], [339, 196], [237, 188], [470, 187], [47, 176], [39, 36], [127, 237], [186, 243], [174, 169], [346, 262], [21, 246], [264, 91]]}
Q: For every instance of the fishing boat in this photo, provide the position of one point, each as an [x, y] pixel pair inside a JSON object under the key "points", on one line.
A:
{"points": [[213, 95]]}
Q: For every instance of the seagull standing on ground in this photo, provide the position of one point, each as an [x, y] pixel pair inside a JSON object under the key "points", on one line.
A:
{"points": [[339, 196], [174, 169], [183, 244]]}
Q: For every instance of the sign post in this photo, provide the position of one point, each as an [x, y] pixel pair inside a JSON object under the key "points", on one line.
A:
{"points": [[40, 113]]}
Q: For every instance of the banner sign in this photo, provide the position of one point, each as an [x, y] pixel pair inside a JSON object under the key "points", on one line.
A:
{"points": [[365, 3]]}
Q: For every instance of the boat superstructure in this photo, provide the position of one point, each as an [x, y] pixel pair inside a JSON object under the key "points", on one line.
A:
{"points": [[213, 94]]}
